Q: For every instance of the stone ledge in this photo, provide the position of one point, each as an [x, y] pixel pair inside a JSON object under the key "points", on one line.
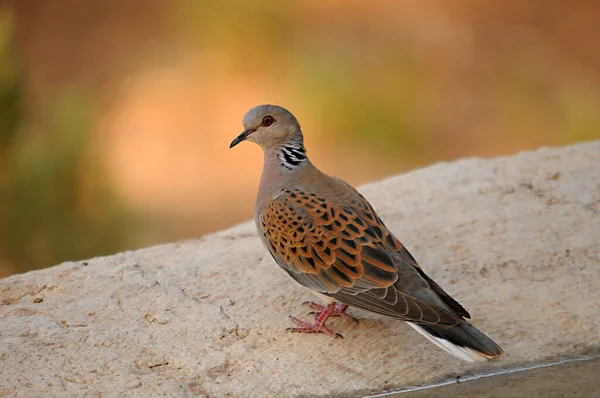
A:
{"points": [[514, 239]]}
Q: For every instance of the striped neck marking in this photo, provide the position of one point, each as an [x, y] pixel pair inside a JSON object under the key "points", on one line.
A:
{"points": [[292, 155]]}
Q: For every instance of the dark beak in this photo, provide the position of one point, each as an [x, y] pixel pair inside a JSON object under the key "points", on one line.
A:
{"points": [[241, 137]]}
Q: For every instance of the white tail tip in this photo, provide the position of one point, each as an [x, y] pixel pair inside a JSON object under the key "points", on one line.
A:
{"points": [[464, 353]]}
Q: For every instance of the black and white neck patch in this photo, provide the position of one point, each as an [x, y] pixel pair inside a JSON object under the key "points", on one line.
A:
{"points": [[292, 155]]}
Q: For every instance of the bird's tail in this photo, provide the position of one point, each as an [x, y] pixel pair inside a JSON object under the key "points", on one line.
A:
{"points": [[464, 341]]}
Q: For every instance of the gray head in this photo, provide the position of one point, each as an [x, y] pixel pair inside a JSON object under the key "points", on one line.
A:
{"points": [[270, 126]]}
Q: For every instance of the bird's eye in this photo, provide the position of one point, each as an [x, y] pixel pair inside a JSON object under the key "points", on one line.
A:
{"points": [[267, 121]]}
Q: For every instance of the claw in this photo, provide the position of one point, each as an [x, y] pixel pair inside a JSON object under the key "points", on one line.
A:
{"points": [[339, 310], [321, 315]]}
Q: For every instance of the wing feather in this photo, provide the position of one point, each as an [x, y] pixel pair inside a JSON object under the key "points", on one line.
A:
{"points": [[343, 249]]}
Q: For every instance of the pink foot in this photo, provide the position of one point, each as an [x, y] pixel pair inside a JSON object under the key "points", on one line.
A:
{"points": [[318, 325], [339, 310]]}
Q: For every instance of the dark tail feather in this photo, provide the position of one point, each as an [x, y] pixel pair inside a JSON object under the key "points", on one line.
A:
{"points": [[464, 341]]}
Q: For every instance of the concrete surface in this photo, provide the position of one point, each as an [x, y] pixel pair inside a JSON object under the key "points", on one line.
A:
{"points": [[573, 378], [515, 240]]}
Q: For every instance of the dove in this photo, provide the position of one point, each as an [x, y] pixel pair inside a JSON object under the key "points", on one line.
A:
{"points": [[326, 236]]}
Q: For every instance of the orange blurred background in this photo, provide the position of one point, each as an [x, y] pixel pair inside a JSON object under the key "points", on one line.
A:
{"points": [[116, 116]]}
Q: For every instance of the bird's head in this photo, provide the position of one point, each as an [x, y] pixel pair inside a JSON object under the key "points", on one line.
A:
{"points": [[270, 126]]}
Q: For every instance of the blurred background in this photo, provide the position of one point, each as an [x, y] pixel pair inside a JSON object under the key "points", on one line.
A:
{"points": [[116, 116]]}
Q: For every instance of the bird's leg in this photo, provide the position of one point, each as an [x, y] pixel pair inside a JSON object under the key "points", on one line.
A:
{"points": [[318, 325], [340, 310]]}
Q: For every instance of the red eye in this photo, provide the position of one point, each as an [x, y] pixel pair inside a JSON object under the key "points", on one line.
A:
{"points": [[267, 121]]}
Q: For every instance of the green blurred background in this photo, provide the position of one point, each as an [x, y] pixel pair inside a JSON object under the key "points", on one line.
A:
{"points": [[115, 116]]}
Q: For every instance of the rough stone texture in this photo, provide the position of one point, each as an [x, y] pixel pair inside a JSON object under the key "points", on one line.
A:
{"points": [[515, 240]]}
